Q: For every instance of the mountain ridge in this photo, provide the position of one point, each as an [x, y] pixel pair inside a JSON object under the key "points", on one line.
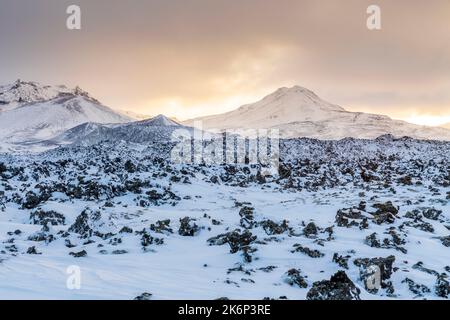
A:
{"points": [[43, 116], [158, 128], [33, 112], [299, 112]]}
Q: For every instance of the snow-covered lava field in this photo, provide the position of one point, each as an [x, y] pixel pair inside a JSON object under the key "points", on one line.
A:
{"points": [[138, 226]]}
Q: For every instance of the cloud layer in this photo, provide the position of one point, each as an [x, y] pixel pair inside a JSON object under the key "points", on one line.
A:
{"points": [[193, 57]]}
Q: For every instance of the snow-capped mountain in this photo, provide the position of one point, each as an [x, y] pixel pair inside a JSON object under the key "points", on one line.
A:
{"points": [[21, 92], [447, 125], [156, 129], [33, 112], [158, 121], [299, 112]]}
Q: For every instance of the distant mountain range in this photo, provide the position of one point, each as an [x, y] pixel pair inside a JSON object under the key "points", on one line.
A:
{"points": [[299, 112], [35, 117], [155, 129]]}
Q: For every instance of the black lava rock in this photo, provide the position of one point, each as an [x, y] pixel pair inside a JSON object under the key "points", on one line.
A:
{"points": [[339, 287]]}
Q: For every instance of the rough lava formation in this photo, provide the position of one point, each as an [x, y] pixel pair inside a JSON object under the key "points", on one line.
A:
{"points": [[102, 193]]}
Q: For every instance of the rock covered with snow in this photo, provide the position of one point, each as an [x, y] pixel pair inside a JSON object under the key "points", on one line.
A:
{"points": [[337, 205]]}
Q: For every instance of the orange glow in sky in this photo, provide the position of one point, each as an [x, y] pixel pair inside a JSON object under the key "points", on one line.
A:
{"points": [[207, 57]]}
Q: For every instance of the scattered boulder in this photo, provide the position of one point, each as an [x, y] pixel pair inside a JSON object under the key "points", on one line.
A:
{"points": [[418, 289], [294, 277], [3, 167], [240, 268], [445, 241], [386, 207], [386, 213], [32, 250], [147, 239], [351, 217], [342, 261], [31, 200], [310, 230], [339, 287], [405, 180], [144, 296], [130, 167], [83, 224], [238, 241], [15, 232], [119, 252], [419, 266], [188, 228], [267, 269], [126, 229], [80, 254], [394, 242], [42, 236], [273, 228], [432, 213], [309, 252], [247, 219], [42, 217], [442, 286], [215, 180], [162, 226], [420, 225]]}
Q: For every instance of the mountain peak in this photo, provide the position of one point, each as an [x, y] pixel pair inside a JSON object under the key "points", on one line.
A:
{"points": [[295, 90], [31, 111], [298, 112], [159, 120], [21, 92], [24, 92], [298, 99]]}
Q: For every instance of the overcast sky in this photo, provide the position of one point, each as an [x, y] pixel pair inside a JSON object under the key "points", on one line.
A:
{"points": [[186, 58]]}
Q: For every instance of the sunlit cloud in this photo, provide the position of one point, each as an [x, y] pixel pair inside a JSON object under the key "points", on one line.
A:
{"points": [[428, 120], [187, 58]]}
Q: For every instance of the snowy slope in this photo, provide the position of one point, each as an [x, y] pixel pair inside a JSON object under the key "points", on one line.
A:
{"points": [[159, 120], [22, 92], [32, 112], [158, 128], [299, 112]]}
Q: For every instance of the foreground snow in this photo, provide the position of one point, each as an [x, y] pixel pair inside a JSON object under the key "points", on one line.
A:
{"points": [[176, 269], [103, 204]]}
